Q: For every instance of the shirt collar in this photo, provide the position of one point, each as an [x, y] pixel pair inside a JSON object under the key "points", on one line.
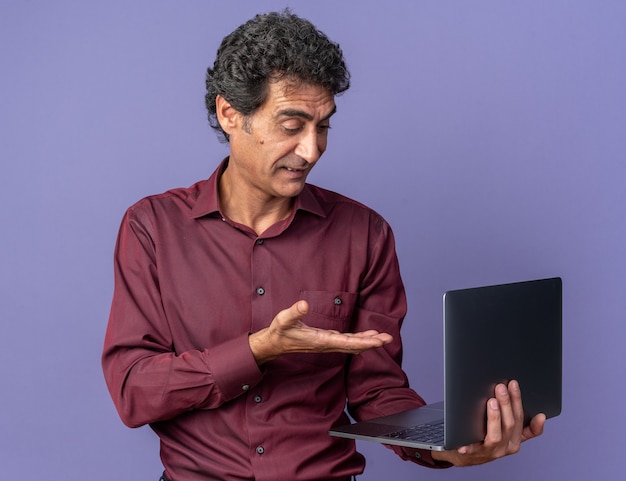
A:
{"points": [[208, 201]]}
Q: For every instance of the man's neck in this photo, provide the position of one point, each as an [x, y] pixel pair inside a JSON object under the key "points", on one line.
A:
{"points": [[251, 208]]}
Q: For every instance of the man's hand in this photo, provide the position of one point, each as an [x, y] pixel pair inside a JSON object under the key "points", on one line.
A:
{"points": [[287, 333], [505, 430]]}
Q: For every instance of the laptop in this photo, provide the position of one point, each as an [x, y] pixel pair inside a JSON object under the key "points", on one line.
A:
{"points": [[492, 334]]}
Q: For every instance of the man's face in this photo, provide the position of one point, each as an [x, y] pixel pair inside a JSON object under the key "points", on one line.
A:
{"points": [[273, 151]]}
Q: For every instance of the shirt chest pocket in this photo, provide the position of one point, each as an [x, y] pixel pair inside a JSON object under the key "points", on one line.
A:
{"points": [[330, 310]]}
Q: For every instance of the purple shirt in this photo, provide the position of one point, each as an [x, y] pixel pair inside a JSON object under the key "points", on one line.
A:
{"points": [[190, 286]]}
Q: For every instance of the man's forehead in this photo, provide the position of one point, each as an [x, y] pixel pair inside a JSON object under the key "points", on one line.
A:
{"points": [[303, 100]]}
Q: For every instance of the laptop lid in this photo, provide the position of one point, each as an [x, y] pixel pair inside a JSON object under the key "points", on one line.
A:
{"points": [[492, 334]]}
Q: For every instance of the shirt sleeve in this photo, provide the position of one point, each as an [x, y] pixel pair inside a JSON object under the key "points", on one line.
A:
{"points": [[147, 379], [376, 384]]}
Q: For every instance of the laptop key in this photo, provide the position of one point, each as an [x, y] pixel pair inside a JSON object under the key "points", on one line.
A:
{"points": [[427, 433]]}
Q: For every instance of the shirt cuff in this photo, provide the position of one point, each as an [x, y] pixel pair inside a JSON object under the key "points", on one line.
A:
{"points": [[233, 367]]}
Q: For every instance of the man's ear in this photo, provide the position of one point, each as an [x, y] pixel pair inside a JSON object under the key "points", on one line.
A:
{"points": [[227, 116]]}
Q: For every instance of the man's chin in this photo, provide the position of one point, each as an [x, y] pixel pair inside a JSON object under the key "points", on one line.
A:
{"points": [[291, 190]]}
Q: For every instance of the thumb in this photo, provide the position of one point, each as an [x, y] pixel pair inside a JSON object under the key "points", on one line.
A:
{"points": [[291, 316], [302, 307]]}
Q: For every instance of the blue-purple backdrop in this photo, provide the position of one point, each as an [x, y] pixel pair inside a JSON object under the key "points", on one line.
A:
{"points": [[490, 134]]}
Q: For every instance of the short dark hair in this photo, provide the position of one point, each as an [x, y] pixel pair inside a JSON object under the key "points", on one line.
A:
{"points": [[272, 46]]}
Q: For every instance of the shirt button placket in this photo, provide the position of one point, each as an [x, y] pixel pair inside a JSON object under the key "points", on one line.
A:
{"points": [[260, 449], [261, 308], [260, 283], [260, 290]]}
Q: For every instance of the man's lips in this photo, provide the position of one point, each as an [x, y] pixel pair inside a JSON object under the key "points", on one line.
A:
{"points": [[295, 169]]}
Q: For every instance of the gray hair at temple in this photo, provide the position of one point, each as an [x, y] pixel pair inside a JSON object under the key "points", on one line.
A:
{"points": [[272, 47]]}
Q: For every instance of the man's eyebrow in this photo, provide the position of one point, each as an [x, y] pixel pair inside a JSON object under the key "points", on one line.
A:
{"points": [[331, 113], [303, 114]]}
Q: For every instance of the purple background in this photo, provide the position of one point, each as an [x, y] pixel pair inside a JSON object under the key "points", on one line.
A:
{"points": [[491, 135]]}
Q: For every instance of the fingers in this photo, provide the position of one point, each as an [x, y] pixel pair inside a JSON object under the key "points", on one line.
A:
{"points": [[349, 343], [493, 438], [515, 395], [535, 428], [330, 340], [505, 414], [500, 418], [505, 429], [511, 410], [494, 423], [290, 333], [383, 337]]}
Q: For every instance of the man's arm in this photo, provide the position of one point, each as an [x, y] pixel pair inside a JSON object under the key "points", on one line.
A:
{"points": [[148, 379]]}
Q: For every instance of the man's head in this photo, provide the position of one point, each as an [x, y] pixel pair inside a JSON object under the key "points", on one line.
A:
{"points": [[272, 47]]}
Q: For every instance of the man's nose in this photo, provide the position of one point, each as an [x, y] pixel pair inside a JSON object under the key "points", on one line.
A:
{"points": [[310, 147]]}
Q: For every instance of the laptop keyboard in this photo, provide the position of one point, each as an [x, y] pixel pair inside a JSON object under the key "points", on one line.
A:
{"points": [[424, 433]]}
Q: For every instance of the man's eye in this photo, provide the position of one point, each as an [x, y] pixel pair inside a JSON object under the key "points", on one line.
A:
{"points": [[323, 128], [292, 128]]}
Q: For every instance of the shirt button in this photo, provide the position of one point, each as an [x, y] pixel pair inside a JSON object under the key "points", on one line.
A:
{"points": [[260, 241], [260, 449], [338, 301], [245, 387], [260, 291], [258, 399]]}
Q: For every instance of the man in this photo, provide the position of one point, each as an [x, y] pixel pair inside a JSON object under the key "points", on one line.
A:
{"points": [[251, 307]]}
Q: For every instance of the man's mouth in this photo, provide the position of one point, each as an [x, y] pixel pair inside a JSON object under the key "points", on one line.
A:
{"points": [[294, 169]]}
